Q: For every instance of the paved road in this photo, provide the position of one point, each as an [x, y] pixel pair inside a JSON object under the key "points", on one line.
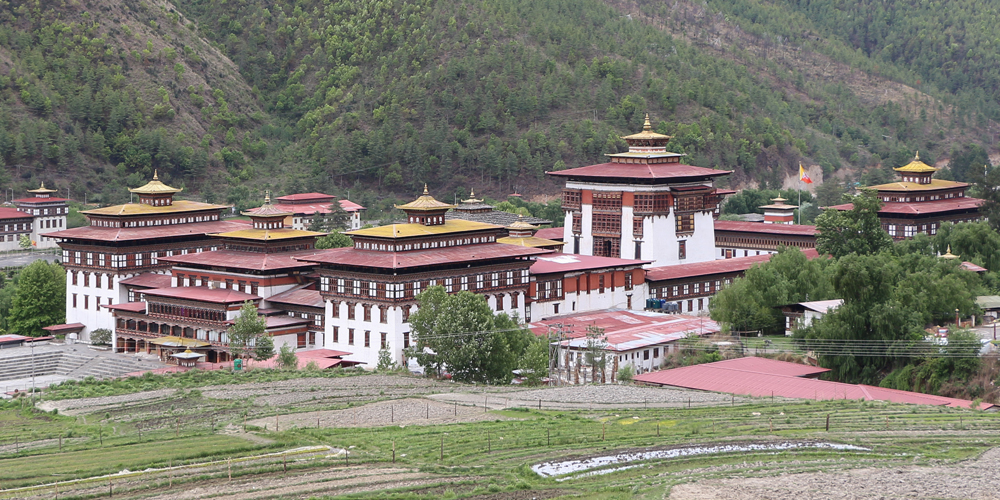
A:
{"points": [[20, 259]]}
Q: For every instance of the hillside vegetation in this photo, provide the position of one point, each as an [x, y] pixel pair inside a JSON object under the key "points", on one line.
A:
{"points": [[229, 98]]}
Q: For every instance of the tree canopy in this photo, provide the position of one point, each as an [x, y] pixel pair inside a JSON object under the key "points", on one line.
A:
{"points": [[39, 300], [461, 334], [857, 230], [247, 330]]}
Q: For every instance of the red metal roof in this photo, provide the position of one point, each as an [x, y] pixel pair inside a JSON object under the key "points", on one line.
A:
{"points": [[968, 266], [760, 227], [767, 365], [351, 256], [148, 280], [310, 203], [12, 338], [666, 171], [624, 326], [13, 213], [139, 307], [306, 197], [707, 268], [299, 297], [65, 327], [922, 207], [235, 259], [202, 294], [110, 234], [283, 321], [568, 262], [767, 379], [322, 353], [38, 200], [550, 233]]}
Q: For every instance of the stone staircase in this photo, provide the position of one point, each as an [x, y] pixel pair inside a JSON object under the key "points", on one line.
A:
{"points": [[68, 363]]}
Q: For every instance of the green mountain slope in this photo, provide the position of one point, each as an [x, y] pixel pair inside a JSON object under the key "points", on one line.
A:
{"points": [[379, 97]]}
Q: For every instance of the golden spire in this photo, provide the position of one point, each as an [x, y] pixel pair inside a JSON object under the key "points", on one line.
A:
{"points": [[472, 193], [917, 156], [425, 190], [646, 126], [156, 175], [267, 196], [949, 255], [43, 185]]}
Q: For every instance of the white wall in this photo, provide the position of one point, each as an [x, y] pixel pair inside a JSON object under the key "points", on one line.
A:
{"points": [[92, 317]]}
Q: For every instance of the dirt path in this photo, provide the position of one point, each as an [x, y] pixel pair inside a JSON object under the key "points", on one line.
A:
{"points": [[974, 479]]}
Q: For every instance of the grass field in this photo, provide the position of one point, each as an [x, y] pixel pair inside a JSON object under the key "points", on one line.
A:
{"points": [[482, 458]]}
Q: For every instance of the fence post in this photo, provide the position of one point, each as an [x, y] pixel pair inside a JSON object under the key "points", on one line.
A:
{"points": [[394, 451], [827, 422], [442, 447]]}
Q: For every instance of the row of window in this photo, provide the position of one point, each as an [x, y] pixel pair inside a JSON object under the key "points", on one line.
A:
{"points": [[86, 302], [317, 318], [906, 199], [360, 288], [47, 211], [149, 223], [227, 284], [186, 312], [384, 247], [17, 227], [699, 288], [123, 260], [368, 338]]}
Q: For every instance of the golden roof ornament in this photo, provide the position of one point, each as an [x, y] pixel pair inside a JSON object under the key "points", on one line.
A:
{"points": [[472, 198], [948, 255], [647, 132], [155, 187], [916, 166], [42, 190], [520, 225], [425, 202], [267, 209]]}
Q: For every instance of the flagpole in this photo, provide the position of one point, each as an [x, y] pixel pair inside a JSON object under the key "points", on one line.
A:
{"points": [[800, 204]]}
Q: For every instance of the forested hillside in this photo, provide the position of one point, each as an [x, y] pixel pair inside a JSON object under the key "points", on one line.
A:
{"points": [[378, 97]]}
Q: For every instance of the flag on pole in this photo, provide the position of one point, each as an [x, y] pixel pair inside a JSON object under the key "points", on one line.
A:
{"points": [[803, 176]]}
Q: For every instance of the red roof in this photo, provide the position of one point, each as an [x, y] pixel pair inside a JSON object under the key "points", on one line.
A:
{"points": [[720, 266], [38, 200], [306, 197], [760, 227], [12, 338], [310, 203], [351, 256], [666, 171], [568, 262], [283, 321], [550, 233], [65, 327], [138, 307], [624, 325], [202, 294], [968, 266], [922, 207], [767, 365], [148, 280], [13, 213], [322, 353], [235, 259], [299, 297], [774, 378], [149, 232], [324, 358]]}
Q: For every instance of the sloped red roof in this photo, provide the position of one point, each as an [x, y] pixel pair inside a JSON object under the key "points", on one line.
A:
{"points": [[127, 306], [306, 197], [148, 280], [109, 234], [322, 353], [760, 227], [299, 297], [550, 233], [922, 207], [351, 256], [968, 266], [202, 294], [311, 203], [666, 171], [38, 200], [64, 327], [234, 259], [13, 213], [774, 379], [568, 262], [707, 268], [625, 322]]}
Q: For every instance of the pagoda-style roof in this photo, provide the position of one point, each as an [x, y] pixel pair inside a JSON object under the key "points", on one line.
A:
{"points": [[425, 202], [411, 229], [521, 225], [647, 133], [155, 187], [778, 204], [144, 209], [268, 234], [472, 198], [917, 167], [933, 184], [267, 209], [42, 190], [530, 242], [948, 255]]}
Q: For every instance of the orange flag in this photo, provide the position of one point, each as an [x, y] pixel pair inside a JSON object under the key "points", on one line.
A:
{"points": [[803, 176]]}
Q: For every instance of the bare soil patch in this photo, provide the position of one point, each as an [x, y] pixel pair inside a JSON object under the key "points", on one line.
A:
{"points": [[409, 411]]}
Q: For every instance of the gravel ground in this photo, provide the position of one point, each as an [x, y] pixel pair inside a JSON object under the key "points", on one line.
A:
{"points": [[974, 479], [588, 397], [84, 406], [361, 388], [409, 411]]}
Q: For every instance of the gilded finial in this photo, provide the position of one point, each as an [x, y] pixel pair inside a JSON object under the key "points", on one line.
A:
{"points": [[425, 190], [647, 127], [472, 194], [267, 196], [917, 156], [43, 185], [156, 175]]}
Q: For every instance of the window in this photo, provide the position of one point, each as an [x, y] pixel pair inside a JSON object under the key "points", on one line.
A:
{"points": [[607, 224], [577, 224], [656, 352], [645, 354], [628, 280], [685, 223], [86, 301], [336, 334], [350, 310], [74, 301], [600, 284], [605, 201], [697, 288], [406, 339], [682, 249], [555, 308], [571, 199], [368, 314], [368, 338], [385, 341], [350, 336], [75, 276]]}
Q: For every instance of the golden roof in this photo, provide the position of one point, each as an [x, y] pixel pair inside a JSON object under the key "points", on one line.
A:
{"points": [[519, 224], [949, 255], [530, 242], [155, 187], [425, 202], [472, 196], [647, 132], [409, 230], [913, 186], [268, 234], [267, 209], [916, 166], [180, 206], [42, 190], [779, 204]]}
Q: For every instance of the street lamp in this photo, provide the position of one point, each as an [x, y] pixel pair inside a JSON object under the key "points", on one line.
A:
{"points": [[32, 371]]}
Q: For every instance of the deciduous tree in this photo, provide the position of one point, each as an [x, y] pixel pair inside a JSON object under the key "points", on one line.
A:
{"points": [[40, 299], [858, 230], [247, 330]]}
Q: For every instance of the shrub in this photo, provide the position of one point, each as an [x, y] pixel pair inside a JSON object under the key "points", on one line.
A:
{"points": [[626, 373], [100, 336]]}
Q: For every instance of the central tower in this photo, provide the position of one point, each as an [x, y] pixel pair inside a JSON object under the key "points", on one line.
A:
{"points": [[643, 204]]}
